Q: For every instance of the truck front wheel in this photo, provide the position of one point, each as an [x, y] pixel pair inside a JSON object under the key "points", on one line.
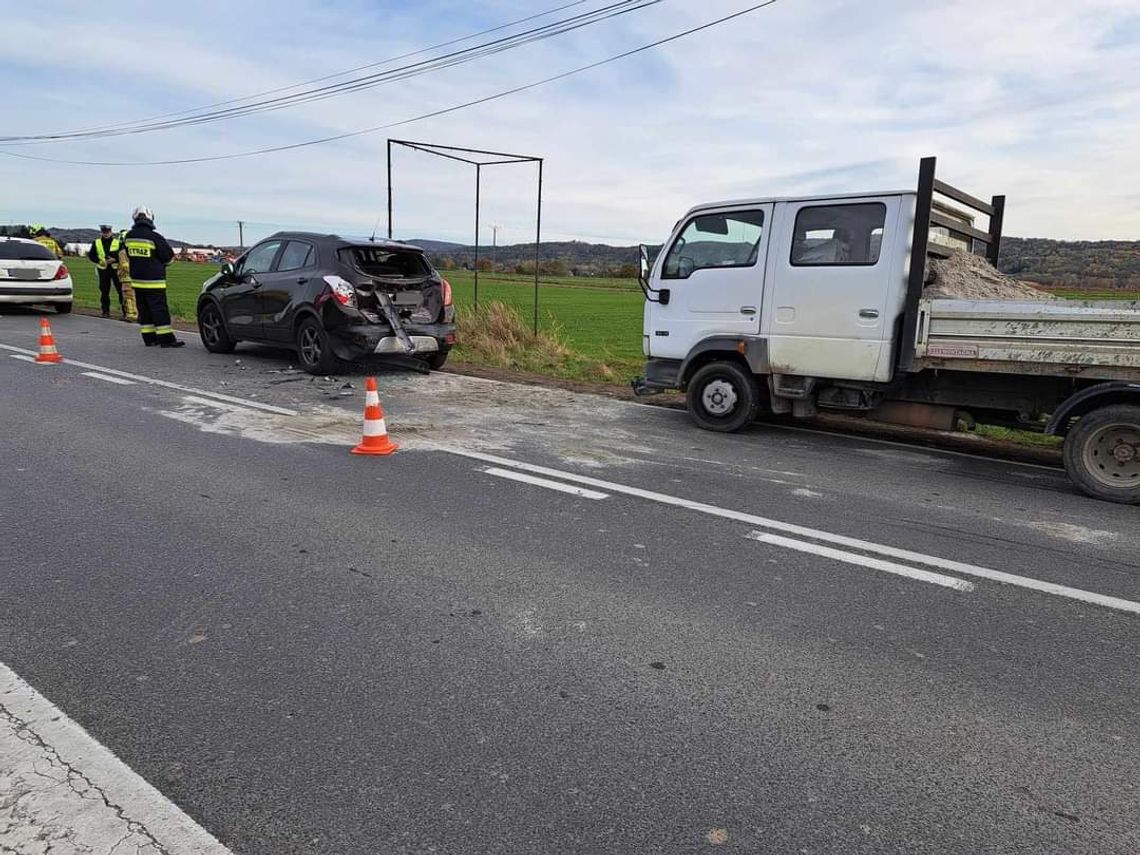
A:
{"points": [[723, 397], [1102, 454]]}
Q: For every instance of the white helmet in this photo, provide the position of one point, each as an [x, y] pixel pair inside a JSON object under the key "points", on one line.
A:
{"points": [[142, 212]]}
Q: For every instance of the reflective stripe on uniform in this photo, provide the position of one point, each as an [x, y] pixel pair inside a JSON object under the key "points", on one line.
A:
{"points": [[164, 330], [100, 253], [140, 247], [146, 328], [148, 283]]}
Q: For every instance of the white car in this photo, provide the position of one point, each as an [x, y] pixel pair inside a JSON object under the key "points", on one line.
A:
{"points": [[30, 274]]}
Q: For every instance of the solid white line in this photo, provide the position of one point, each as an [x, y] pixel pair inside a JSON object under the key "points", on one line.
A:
{"points": [[139, 378], [863, 561], [89, 766], [23, 358], [118, 380], [542, 482], [816, 534]]}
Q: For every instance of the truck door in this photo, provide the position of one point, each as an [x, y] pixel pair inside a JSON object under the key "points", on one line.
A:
{"points": [[827, 314], [714, 272]]}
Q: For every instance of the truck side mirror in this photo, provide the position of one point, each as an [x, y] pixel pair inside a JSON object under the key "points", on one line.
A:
{"points": [[643, 266]]}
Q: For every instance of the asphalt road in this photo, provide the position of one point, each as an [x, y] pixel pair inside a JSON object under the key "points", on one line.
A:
{"points": [[777, 641]]}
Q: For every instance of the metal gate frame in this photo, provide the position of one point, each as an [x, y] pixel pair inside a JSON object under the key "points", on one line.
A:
{"points": [[500, 158]]}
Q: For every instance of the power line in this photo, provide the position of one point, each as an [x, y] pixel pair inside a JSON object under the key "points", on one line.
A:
{"points": [[479, 51], [433, 114], [336, 74]]}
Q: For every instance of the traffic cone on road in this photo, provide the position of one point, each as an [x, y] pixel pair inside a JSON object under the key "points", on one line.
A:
{"points": [[375, 439], [48, 353]]}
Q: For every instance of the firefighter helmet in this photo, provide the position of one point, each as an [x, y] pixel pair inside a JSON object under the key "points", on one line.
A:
{"points": [[142, 212]]}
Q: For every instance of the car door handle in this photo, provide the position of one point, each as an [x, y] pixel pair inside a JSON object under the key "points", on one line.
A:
{"points": [[302, 280], [870, 314], [748, 310]]}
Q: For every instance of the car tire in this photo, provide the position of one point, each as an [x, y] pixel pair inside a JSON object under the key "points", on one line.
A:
{"points": [[437, 360], [723, 397], [1102, 454], [63, 308], [212, 329], [314, 351]]}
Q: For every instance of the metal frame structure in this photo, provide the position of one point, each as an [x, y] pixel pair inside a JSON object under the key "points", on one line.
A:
{"points": [[925, 215], [500, 158]]}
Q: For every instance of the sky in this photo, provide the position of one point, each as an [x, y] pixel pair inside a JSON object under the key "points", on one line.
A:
{"points": [[1036, 99]]}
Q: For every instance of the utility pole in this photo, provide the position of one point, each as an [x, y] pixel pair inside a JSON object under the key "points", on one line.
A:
{"points": [[494, 244], [241, 235]]}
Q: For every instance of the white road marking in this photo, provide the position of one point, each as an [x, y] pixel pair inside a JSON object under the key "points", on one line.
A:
{"points": [[542, 482], [118, 380], [153, 381], [863, 561], [1105, 600], [24, 358], [42, 749]]}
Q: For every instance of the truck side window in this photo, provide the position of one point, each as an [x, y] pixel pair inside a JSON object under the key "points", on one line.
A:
{"points": [[828, 235], [715, 240]]}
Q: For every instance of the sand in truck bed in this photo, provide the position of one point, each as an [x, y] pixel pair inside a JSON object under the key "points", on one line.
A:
{"points": [[964, 276]]}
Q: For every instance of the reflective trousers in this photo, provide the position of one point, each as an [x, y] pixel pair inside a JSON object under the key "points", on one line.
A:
{"points": [[154, 315]]}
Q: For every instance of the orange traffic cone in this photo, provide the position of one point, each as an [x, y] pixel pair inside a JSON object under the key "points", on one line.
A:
{"points": [[48, 353], [375, 439]]}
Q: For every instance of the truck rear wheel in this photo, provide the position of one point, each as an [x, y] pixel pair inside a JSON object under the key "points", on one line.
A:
{"points": [[723, 397], [1102, 454]]}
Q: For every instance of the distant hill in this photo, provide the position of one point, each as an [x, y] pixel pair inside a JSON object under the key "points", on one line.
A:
{"points": [[1074, 265]]}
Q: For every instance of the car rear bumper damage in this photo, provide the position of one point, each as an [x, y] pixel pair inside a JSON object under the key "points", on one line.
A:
{"points": [[359, 340]]}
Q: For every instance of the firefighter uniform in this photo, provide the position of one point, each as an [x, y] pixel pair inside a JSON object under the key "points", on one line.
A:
{"points": [[148, 253], [105, 253], [124, 270], [43, 237]]}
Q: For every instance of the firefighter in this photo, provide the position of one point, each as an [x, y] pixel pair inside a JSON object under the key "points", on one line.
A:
{"points": [[42, 236], [131, 313], [148, 253], [105, 253]]}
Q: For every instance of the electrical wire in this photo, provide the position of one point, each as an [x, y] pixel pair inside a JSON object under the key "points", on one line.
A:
{"points": [[336, 74], [423, 116], [541, 33]]}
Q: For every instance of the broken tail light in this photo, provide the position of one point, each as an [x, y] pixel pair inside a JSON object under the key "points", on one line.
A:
{"points": [[62, 273], [447, 297], [341, 290]]}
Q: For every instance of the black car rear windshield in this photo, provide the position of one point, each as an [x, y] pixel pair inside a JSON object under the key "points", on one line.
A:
{"points": [[14, 250], [388, 263]]}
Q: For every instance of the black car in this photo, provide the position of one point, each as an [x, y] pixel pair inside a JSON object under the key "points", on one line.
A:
{"points": [[332, 300]]}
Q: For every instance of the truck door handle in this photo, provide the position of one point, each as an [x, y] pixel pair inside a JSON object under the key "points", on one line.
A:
{"points": [[748, 310], [869, 313]]}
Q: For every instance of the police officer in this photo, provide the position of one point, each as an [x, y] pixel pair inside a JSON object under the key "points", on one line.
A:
{"points": [[105, 253], [148, 253]]}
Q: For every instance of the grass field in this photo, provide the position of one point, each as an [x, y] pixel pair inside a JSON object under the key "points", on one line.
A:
{"points": [[600, 323]]}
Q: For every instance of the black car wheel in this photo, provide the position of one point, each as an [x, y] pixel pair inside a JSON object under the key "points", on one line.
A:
{"points": [[436, 360], [723, 397], [63, 308], [313, 349], [212, 328]]}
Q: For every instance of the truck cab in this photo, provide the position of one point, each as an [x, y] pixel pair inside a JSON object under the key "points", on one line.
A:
{"points": [[790, 305]]}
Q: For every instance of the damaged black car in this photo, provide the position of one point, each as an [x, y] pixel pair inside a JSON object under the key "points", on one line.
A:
{"points": [[332, 300]]}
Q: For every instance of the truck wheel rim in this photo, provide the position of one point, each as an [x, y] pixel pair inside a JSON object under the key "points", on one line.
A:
{"points": [[1112, 455], [719, 398], [310, 346]]}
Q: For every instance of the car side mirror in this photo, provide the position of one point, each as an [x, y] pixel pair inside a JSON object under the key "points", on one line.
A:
{"points": [[229, 271]]}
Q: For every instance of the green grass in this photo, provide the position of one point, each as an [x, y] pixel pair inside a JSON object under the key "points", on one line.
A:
{"points": [[1020, 437], [1098, 295], [183, 284]]}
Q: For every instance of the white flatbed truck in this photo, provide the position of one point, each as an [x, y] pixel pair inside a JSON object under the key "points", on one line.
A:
{"points": [[799, 304]]}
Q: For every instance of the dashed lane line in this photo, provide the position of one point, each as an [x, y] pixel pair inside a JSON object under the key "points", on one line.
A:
{"points": [[811, 534], [108, 378], [166, 384], [543, 482]]}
